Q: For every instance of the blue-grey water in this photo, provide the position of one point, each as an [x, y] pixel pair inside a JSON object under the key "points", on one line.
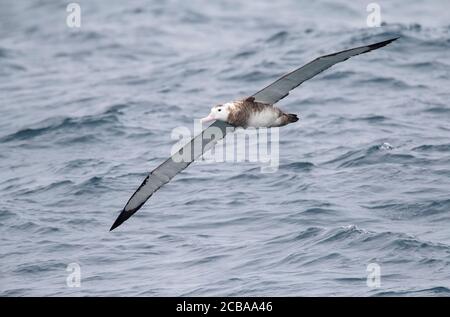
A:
{"points": [[86, 113]]}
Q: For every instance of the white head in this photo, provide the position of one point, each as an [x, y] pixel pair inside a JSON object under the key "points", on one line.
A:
{"points": [[219, 112]]}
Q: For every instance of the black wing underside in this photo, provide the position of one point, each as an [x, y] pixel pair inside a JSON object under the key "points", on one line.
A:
{"points": [[209, 137]]}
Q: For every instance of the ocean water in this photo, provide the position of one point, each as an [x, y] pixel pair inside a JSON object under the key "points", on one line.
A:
{"points": [[86, 113]]}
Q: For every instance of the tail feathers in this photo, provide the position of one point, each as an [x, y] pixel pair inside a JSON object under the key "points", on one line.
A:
{"points": [[291, 117]]}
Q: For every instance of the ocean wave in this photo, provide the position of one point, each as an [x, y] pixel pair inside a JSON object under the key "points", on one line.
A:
{"points": [[392, 82], [376, 154], [46, 188], [432, 148], [55, 125], [310, 232], [40, 267], [6, 214], [407, 210], [298, 166], [372, 119], [338, 75], [93, 186], [440, 110], [433, 291], [278, 38], [354, 236]]}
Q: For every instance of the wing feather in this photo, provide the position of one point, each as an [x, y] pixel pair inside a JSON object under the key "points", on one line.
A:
{"points": [[281, 87], [171, 167]]}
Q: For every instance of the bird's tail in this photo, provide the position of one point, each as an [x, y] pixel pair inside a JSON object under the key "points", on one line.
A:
{"points": [[291, 117]]}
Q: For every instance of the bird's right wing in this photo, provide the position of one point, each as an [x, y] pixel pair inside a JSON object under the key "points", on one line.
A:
{"points": [[281, 88], [172, 166]]}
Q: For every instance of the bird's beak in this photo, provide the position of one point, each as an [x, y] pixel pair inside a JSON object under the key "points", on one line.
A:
{"points": [[210, 117]]}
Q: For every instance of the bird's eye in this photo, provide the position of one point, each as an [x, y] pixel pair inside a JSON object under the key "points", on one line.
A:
{"points": [[219, 110]]}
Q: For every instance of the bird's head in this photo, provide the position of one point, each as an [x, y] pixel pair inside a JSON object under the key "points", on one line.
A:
{"points": [[219, 112]]}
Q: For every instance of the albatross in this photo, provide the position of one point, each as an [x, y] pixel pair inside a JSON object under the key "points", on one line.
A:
{"points": [[256, 111]]}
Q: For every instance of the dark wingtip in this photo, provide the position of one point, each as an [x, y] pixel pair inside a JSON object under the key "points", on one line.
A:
{"points": [[383, 43], [120, 219]]}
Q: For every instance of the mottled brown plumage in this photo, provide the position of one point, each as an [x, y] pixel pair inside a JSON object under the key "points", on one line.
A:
{"points": [[243, 111]]}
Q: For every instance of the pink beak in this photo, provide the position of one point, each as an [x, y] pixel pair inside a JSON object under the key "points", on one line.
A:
{"points": [[210, 117]]}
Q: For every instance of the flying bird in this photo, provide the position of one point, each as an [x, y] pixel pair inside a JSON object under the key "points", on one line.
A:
{"points": [[256, 111]]}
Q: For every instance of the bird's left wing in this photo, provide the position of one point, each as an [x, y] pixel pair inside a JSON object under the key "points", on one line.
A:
{"points": [[171, 167], [281, 87]]}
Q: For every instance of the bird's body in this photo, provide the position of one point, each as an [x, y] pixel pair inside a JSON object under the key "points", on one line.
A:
{"points": [[250, 113]]}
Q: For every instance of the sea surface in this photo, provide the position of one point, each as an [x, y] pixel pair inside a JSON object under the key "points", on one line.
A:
{"points": [[363, 184]]}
